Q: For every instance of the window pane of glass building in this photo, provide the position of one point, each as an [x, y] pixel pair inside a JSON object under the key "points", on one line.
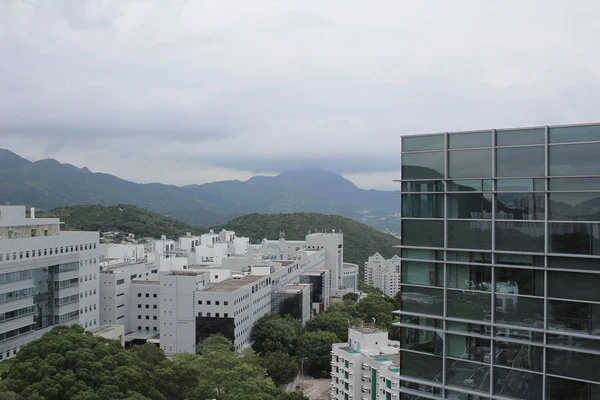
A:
{"points": [[470, 139], [520, 137], [424, 205], [575, 159], [469, 305], [574, 206], [519, 310], [423, 186], [420, 143], [516, 384], [423, 233], [523, 206], [520, 161], [422, 273], [470, 163], [561, 388], [586, 133], [520, 236], [471, 277], [470, 205], [421, 366], [574, 238], [423, 165], [574, 184], [468, 375], [573, 364], [421, 300], [581, 286], [470, 234]]}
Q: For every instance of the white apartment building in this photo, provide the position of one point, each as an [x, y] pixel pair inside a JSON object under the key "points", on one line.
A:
{"points": [[366, 367], [47, 278], [383, 274], [349, 277], [125, 252]]}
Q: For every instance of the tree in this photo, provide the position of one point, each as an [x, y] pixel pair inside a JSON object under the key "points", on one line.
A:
{"points": [[273, 333], [351, 297], [375, 306], [281, 367], [316, 347], [335, 322]]}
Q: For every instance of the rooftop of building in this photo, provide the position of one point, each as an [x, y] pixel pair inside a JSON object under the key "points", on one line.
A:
{"points": [[141, 282], [233, 284], [367, 329], [102, 329], [186, 272]]}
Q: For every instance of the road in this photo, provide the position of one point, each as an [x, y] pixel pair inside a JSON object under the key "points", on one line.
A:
{"points": [[314, 389]]}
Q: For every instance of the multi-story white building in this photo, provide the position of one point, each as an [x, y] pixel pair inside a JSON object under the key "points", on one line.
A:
{"points": [[47, 278], [366, 367], [384, 274]]}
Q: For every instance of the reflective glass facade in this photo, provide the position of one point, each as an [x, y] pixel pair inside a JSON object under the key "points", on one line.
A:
{"points": [[500, 294]]}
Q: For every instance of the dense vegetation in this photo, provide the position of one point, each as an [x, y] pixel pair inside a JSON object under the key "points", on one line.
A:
{"points": [[68, 363], [123, 218], [284, 342], [360, 241]]}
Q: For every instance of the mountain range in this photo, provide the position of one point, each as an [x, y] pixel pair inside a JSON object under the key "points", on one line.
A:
{"points": [[48, 184]]}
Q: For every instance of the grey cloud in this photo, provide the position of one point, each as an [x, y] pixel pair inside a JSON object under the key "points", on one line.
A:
{"points": [[253, 87]]}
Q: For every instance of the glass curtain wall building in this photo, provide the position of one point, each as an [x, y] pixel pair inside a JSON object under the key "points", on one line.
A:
{"points": [[500, 293]]}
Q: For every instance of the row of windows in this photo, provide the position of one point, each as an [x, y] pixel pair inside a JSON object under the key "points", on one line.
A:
{"points": [[217, 315], [512, 137], [90, 324], [563, 237], [154, 295], [17, 313], [65, 317], [154, 329], [87, 277], [573, 206], [45, 252], [217, 302], [503, 185], [85, 310], [154, 306], [81, 295], [16, 294], [66, 300], [567, 160], [154, 317], [16, 332]]}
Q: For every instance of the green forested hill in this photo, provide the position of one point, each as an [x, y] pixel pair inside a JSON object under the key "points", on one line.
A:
{"points": [[123, 218], [360, 241]]}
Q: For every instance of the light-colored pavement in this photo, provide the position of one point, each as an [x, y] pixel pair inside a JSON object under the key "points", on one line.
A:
{"points": [[314, 389]]}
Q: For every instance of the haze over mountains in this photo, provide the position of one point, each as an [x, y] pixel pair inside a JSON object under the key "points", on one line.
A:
{"points": [[48, 184]]}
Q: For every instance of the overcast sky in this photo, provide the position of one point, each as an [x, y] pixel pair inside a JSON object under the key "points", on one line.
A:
{"points": [[197, 91]]}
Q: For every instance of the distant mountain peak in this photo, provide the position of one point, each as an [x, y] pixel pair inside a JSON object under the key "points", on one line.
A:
{"points": [[10, 160]]}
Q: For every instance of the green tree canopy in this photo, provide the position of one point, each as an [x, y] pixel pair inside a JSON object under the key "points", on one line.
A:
{"points": [[281, 367], [316, 347], [273, 333]]}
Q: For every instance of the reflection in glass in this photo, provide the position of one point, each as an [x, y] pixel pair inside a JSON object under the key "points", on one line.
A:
{"points": [[421, 300], [520, 136], [464, 304], [568, 316], [518, 310], [470, 139], [517, 384], [528, 281], [423, 205], [417, 387], [520, 185], [523, 206], [422, 254], [469, 277], [470, 185], [470, 234], [468, 375], [421, 321], [470, 163], [419, 143], [470, 205], [574, 206], [421, 366], [454, 395], [468, 328], [422, 233], [564, 340], [520, 161], [519, 334], [574, 134], [468, 348], [574, 184], [591, 264], [520, 236], [422, 340], [469, 256], [561, 389], [581, 286], [520, 259], [423, 165], [573, 160], [574, 238], [573, 364], [422, 273], [519, 355], [422, 186]]}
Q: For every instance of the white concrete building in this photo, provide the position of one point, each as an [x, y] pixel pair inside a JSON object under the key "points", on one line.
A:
{"points": [[349, 277], [47, 278], [366, 367], [384, 274], [125, 252]]}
